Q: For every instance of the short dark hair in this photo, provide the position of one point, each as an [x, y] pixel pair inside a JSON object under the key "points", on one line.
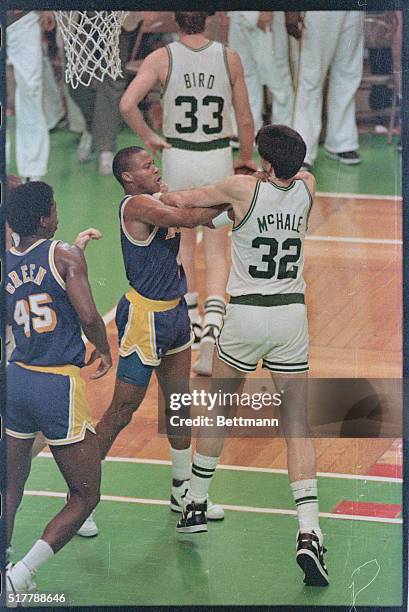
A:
{"points": [[191, 22], [25, 206], [283, 148], [121, 161]]}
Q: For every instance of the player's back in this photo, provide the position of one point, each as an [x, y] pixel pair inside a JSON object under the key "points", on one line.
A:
{"points": [[45, 326], [197, 95], [152, 266], [268, 244]]}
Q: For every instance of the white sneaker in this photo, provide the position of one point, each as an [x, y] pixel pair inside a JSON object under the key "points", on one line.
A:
{"points": [[85, 147], [89, 528], [204, 365], [19, 579], [214, 512], [105, 163]]}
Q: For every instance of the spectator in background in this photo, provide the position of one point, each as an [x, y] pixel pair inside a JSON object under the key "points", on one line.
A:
{"points": [[99, 104], [331, 40], [250, 34], [24, 51]]}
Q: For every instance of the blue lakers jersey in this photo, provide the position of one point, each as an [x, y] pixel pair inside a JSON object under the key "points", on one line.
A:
{"points": [[46, 328], [152, 266]]}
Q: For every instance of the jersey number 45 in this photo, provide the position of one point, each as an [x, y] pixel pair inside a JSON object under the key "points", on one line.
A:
{"points": [[43, 318]]}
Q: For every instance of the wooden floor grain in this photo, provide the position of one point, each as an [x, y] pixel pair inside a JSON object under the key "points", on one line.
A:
{"points": [[354, 300]]}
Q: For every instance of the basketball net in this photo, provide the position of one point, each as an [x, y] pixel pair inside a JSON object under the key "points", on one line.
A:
{"points": [[91, 42]]}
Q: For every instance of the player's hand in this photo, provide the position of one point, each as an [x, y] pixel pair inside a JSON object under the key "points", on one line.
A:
{"points": [[294, 22], [104, 365], [156, 143], [244, 166], [173, 199], [47, 21], [264, 21], [85, 236], [302, 175], [13, 181], [261, 175]]}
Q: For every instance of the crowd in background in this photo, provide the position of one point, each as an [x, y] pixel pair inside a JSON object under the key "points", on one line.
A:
{"points": [[301, 69]]}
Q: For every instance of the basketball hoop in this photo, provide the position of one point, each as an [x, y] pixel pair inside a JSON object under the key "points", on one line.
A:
{"points": [[91, 42]]}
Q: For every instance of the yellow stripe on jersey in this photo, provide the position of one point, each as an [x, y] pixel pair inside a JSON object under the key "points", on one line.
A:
{"points": [[66, 370], [139, 336], [53, 267]]}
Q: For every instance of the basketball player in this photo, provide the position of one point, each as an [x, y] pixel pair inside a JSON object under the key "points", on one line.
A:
{"points": [[49, 300], [202, 83], [266, 320], [152, 317]]}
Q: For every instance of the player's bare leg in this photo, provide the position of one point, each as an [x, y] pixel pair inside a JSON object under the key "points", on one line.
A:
{"points": [[173, 377], [39, 445], [207, 454], [80, 466], [302, 472], [217, 270], [18, 469], [126, 399], [89, 529], [301, 459]]}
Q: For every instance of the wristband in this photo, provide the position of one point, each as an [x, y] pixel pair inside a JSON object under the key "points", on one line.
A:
{"points": [[157, 195], [222, 220]]}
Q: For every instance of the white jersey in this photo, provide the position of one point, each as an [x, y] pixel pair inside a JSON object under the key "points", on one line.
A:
{"points": [[268, 244], [197, 95]]}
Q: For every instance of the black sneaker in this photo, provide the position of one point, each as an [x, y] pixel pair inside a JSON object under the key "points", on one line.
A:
{"points": [[310, 557], [193, 519], [350, 158]]}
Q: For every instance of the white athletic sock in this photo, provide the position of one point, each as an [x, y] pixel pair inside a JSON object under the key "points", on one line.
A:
{"points": [[215, 308], [203, 469], [37, 556], [306, 498], [192, 306], [181, 463]]}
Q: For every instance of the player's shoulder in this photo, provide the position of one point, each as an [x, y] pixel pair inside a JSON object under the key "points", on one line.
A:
{"points": [[240, 183], [309, 181], [68, 253], [232, 56], [156, 58]]}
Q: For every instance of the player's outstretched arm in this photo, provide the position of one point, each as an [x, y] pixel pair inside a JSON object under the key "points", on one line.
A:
{"points": [[140, 86], [71, 265], [151, 211], [232, 190]]}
